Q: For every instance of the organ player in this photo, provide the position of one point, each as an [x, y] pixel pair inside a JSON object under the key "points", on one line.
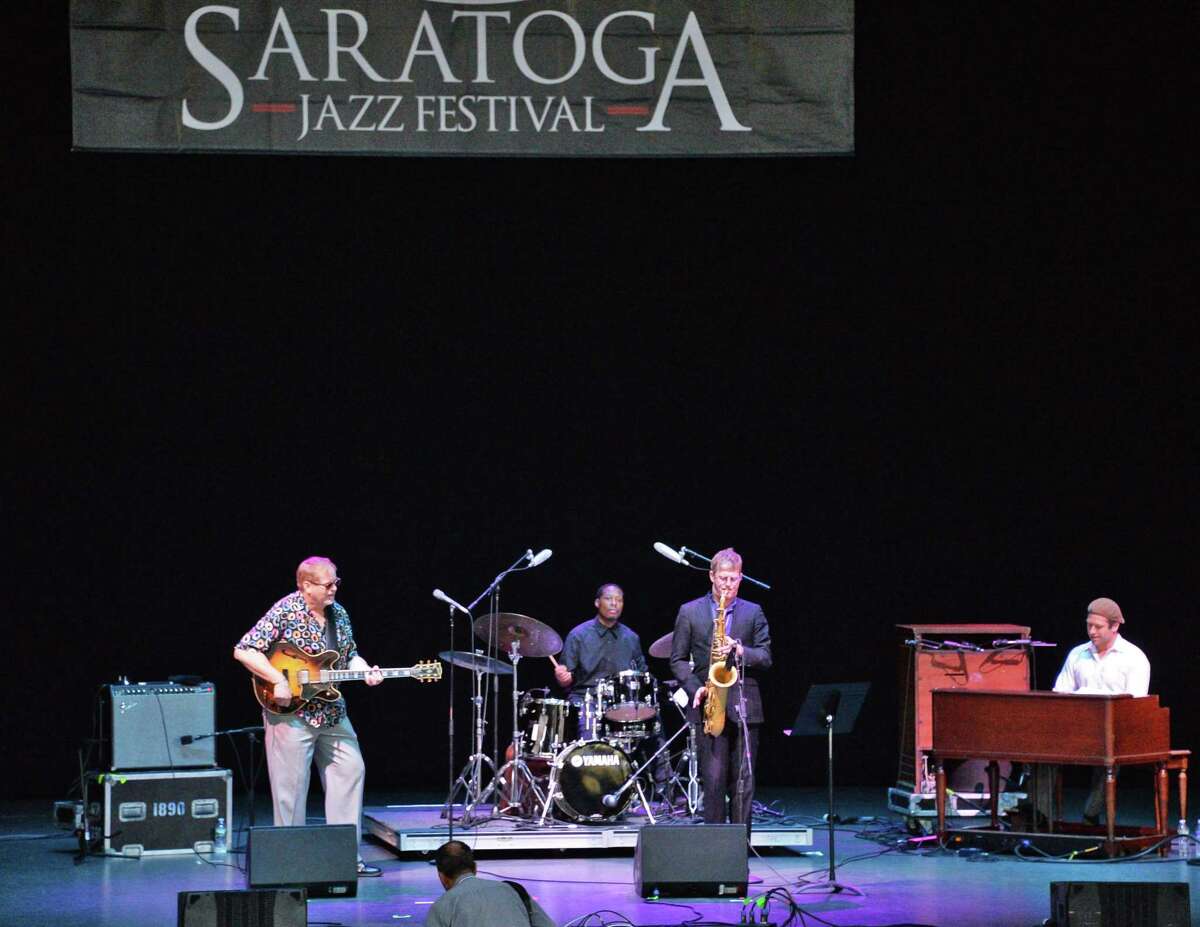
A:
{"points": [[1106, 663]]}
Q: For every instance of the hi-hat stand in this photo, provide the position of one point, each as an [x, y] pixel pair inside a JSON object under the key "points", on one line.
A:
{"points": [[685, 774], [516, 769], [471, 776], [470, 780]]}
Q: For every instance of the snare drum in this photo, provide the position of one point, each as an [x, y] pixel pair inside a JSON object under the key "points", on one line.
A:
{"points": [[587, 770], [547, 724]]}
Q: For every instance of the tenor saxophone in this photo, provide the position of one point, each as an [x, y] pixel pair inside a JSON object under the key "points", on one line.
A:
{"points": [[720, 677]]}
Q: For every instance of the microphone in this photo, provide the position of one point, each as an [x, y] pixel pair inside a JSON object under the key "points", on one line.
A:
{"points": [[540, 557], [186, 739], [963, 645], [611, 799], [676, 555], [191, 738], [1021, 641], [442, 597]]}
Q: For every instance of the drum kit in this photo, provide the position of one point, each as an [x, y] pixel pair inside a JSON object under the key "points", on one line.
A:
{"points": [[580, 760]]}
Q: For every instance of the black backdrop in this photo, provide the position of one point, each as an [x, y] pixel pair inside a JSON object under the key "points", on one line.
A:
{"points": [[950, 378]]}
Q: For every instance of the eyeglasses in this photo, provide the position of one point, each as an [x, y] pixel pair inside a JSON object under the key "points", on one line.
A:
{"points": [[329, 586]]}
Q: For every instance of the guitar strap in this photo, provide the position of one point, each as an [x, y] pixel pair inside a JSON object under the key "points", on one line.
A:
{"points": [[524, 895], [331, 636]]}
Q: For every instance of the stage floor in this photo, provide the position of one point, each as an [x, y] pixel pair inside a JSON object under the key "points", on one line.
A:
{"points": [[44, 885]]}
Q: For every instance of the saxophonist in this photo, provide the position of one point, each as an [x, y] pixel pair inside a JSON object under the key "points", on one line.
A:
{"points": [[727, 751]]}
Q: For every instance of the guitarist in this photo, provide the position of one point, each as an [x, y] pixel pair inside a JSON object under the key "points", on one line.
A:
{"points": [[311, 620]]}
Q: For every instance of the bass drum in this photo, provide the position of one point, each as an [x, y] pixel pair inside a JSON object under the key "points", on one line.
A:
{"points": [[587, 771]]}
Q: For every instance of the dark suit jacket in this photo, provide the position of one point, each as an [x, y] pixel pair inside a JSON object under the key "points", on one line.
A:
{"points": [[693, 635]]}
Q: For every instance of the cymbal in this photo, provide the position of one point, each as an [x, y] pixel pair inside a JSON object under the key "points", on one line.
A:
{"points": [[475, 661], [661, 648], [536, 639]]}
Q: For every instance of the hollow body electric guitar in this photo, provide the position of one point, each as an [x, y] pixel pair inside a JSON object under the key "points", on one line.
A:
{"points": [[309, 677]]}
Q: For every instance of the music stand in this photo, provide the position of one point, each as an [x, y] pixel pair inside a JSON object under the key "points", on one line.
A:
{"points": [[828, 709]]}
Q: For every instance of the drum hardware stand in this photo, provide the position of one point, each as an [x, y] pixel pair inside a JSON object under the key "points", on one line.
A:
{"points": [[470, 779], [516, 768], [691, 789], [493, 590]]}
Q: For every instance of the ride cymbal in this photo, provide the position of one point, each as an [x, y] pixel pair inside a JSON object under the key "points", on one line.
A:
{"points": [[534, 638]]}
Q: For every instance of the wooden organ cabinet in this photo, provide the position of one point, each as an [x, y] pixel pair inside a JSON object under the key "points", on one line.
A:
{"points": [[950, 656]]}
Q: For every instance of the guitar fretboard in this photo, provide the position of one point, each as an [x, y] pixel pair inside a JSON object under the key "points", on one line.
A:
{"points": [[351, 675]]}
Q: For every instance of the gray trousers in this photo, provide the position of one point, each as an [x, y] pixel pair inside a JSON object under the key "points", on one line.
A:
{"points": [[291, 748]]}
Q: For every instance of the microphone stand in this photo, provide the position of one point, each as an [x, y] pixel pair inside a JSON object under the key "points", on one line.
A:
{"points": [[615, 797], [745, 771], [688, 552], [251, 733], [450, 738], [493, 590]]}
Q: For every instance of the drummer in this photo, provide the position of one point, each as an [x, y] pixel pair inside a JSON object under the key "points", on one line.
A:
{"points": [[599, 647]]}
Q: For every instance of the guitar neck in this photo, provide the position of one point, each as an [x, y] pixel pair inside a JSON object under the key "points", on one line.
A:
{"points": [[393, 672]]}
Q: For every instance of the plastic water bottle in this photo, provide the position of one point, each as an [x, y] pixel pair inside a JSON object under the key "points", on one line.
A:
{"points": [[1181, 845], [219, 836]]}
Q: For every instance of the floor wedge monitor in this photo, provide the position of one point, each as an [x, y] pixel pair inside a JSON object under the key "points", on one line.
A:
{"points": [[323, 859], [691, 861]]}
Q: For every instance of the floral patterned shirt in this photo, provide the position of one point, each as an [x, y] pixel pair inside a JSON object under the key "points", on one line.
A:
{"points": [[290, 620]]}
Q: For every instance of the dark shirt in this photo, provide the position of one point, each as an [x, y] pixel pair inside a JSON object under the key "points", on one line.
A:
{"points": [[592, 651], [713, 606]]}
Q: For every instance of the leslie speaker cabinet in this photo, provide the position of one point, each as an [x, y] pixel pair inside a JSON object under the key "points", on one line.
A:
{"points": [[164, 812], [950, 656]]}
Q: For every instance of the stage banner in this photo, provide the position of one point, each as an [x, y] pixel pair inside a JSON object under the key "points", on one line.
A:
{"points": [[465, 77]]}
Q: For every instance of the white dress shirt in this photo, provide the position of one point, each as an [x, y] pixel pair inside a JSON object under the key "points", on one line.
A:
{"points": [[1122, 668]]}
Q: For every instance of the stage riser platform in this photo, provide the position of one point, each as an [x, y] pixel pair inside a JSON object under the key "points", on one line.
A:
{"points": [[422, 829]]}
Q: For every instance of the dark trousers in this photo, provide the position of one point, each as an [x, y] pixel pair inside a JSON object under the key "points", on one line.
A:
{"points": [[721, 762]]}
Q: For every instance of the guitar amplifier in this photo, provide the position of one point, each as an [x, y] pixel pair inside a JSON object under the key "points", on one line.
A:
{"points": [[164, 812], [147, 721]]}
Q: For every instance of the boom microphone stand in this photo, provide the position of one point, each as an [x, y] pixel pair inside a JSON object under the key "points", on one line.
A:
{"points": [[251, 733], [681, 557], [612, 799]]}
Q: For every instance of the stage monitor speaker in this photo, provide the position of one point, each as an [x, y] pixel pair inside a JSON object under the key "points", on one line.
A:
{"points": [[1120, 904], [148, 721], [691, 861], [322, 859], [247, 908]]}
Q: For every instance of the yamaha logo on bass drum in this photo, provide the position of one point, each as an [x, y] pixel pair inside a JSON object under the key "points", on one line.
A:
{"points": [[604, 759]]}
